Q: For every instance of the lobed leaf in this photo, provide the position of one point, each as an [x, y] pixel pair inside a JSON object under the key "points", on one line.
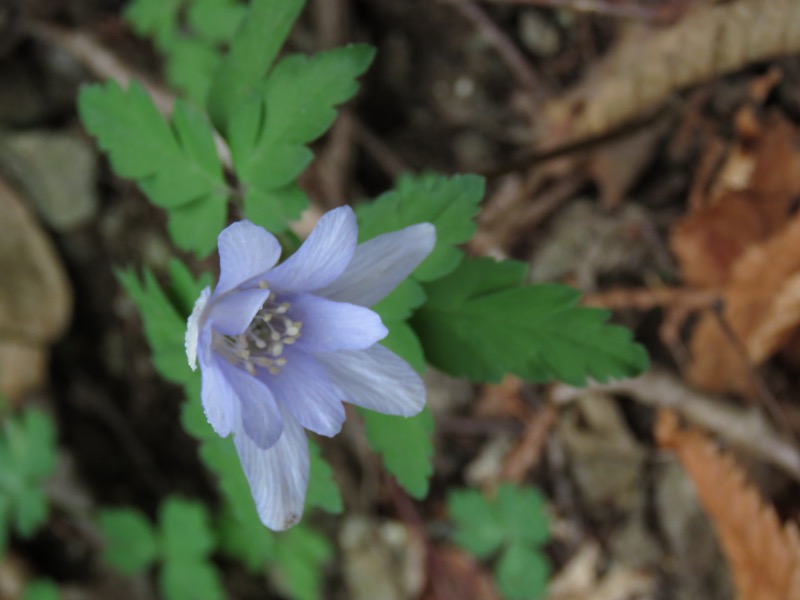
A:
{"points": [[176, 167], [253, 49], [405, 445], [482, 322], [300, 553], [522, 573], [130, 542], [155, 18], [450, 204]]}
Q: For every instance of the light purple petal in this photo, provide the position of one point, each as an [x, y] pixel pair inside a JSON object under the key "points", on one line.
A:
{"points": [[380, 264], [303, 388], [245, 251], [261, 418], [278, 477], [232, 313], [322, 257], [376, 378], [217, 395], [193, 325], [329, 326]]}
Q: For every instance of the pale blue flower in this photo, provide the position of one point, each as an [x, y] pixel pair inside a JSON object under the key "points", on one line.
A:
{"points": [[280, 348]]}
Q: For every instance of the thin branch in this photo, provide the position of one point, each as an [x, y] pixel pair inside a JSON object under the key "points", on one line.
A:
{"points": [[746, 429]]}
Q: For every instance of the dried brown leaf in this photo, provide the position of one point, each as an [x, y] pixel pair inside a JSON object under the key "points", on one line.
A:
{"points": [[647, 65], [762, 309], [763, 554]]}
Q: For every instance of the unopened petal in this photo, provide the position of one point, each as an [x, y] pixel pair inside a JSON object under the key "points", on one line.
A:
{"points": [[231, 313], [328, 326], [278, 477], [303, 388], [261, 419], [245, 251], [322, 257], [380, 264], [376, 378]]}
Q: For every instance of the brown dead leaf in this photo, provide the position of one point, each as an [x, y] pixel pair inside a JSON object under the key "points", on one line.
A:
{"points": [[502, 399], [762, 309], [35, 297], [648, 65], [457, 576], [527, 452], [763, 554], [708, 242]]}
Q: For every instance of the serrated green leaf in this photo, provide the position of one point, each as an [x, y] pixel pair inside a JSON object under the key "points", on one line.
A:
{"points": [[245, 539], [32, 510], [401, 302], [130, 542], [300, 554], [41, 589], [190, 580], [323, 492], [273, 209], [215, 20], [253, 49], [163, 326], [269, 132], [482, 322], [405, 445], [173, 168], [184, 287], [522, 573], [520, 513], [193, 417], [190, 66], [450, 204], [195, 226], [156, 18], [185, 531], [477, 529]]}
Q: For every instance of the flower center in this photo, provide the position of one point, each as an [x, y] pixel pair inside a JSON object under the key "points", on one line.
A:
{"points": [[263, 342]]}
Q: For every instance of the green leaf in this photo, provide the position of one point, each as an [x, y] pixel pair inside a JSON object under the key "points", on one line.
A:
{"points": [[405, 445], [185, 531], [220, 456], [190, 66], [477, 529], [27, 457], [156, 18], [522, 573], [176, 167], [450, 204], [269, 132], [184, 287], [482, 321], [130, 543], [190, 580], [300, 554], [254, 48], [215, 20], [404, 342], [245, 539], [323, 491], [514, 518], [163, 326], [41, 589]]}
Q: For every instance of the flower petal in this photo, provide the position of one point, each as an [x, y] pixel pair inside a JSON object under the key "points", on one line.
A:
{"points": [[261, 419], [233, 312], [329, 326], [303, 388], [193, 325], [245, 251], [376, 378], [218, 397], [322, 257], [278, 477], [380, 264]]}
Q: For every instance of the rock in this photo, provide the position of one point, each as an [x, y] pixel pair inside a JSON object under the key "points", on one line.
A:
{"points": [[35, 296], [58, 172]]}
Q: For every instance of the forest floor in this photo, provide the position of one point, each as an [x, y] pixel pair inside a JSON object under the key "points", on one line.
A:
{"points": [[645, 151]]}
